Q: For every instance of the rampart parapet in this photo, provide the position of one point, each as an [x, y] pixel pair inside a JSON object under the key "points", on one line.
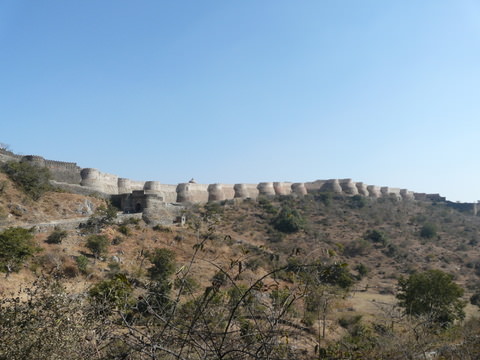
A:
{"points": [[102, 182], [266, 189], [407, 194], [299, 189], [362, 189], [192, 193], [282, 188], [374, 191], [348, 186], [314, 185], [245, 191], [126, 186], [332, 185], [137, 196]]}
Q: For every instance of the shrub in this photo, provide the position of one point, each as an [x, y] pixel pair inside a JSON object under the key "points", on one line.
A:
{"points": [[475, 299], [428, 231], [357, 202], [82, 263], [288, 220], [432, 293], [115, 291], [357, 247], [376, 236], [163, 261], [98, 244], [56, 236], [33, 180], [125, 230], [104, 215], [161, 228], [324, 197], [362, 270], [16, 246]]}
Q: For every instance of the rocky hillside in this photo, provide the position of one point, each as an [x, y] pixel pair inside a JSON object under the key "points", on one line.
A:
{"points": [[298, 274]]}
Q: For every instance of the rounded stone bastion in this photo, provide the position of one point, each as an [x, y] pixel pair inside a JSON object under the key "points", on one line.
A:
{"points": [[34, 160], [299, 189], [154, 186], [215, 192], [332, 185], [245, 191], [126, 186], [266, 189], [374, 191], [102, 182], [282, 188], [348, 186], [192, 193], [362, 188]]}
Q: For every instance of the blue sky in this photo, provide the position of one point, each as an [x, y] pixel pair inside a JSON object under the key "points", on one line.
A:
{"points": [[384, 92]]}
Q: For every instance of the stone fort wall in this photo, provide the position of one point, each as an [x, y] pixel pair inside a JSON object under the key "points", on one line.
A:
{"points": [[92, 180]]}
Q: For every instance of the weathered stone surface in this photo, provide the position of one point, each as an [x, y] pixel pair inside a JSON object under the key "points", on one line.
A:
{"points": [[332, 185], [266, 189], [282, 188], [215, 192], [314, 186], [245, 191], [102, 182], [127, 186], [348, 186], [299, 189], [362, 188], [374, 191], [407, 195], [193, 193], [167, 192], [161, 213]]}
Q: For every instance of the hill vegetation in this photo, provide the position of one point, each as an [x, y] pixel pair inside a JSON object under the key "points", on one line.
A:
{"points": [[318, 277]]}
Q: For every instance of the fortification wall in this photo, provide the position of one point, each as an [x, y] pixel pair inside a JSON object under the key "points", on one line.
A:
{"points": [[192, 193], [332, 185], [61, 171], [101, 182], [299, 189], [362, 189], [282, 188], [348, 187], [69, 176], [407, 195], [64, 171], [245, 191], [126, 186], [314, 186], [266, 189], [167, 192], [374, 191]]}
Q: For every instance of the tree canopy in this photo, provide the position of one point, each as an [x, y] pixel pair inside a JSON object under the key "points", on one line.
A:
{"points": [[432, 293]]}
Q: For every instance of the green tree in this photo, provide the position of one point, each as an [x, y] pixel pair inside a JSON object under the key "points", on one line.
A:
{"points": [[16, 246], [98, 244], [432, 293], [163, 261], [288, 220], [112, 292], [33, 180]]}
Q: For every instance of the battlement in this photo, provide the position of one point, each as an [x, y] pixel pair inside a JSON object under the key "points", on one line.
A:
{"points": [[134, 194]]}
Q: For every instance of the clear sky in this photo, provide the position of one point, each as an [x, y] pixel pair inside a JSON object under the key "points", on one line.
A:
{"points": [[384, 92]]}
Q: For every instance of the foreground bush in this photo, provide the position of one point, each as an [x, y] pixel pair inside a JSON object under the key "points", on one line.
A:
{"points": [[433, 294], [33, 180], [16, 246]]}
